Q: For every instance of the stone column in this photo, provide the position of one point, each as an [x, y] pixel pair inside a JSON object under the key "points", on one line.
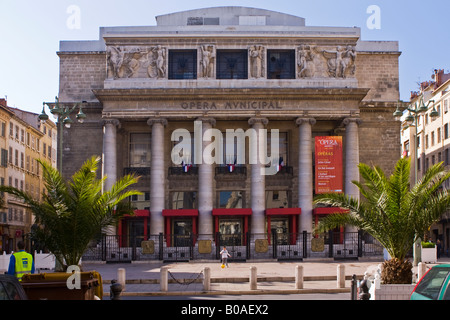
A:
{"points": [[205, 186], [258, 181], [110, 151], [305, 172], [157, 176], [109, 168], [351, 150]]}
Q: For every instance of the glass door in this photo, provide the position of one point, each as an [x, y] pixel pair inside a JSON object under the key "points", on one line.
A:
{"points": [[182, 231], [231, 231], [281, 228]]}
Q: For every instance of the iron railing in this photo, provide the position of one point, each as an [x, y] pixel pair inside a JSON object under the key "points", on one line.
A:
{"points": [[298, 246]]}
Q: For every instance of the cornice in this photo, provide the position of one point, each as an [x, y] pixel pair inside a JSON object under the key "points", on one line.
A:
{"points": [[327, 94]]}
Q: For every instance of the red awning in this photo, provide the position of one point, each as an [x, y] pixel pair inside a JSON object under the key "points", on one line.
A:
{"points": [[329, 210], [180, 213], [283, 211], [232, 212], [138, 213]]}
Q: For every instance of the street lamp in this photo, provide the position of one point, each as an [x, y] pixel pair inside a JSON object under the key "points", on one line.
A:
{"points": [[62, 114], [411, 120]]}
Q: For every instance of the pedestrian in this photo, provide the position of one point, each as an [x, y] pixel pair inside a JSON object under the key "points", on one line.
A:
{"points": [[21, 262], [224, 253], [438, 251]]}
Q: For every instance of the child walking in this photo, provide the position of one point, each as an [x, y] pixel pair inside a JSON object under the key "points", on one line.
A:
{"points": [[224, 253]]}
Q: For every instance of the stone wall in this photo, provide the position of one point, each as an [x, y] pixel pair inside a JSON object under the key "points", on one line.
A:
{"points": [[80, 73]]}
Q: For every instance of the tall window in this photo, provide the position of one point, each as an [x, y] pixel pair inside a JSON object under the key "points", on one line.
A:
{"points": [[140, 149], [232, 64], [182, 64], [231, 199], [184, 200], [277, 199], [280, 64]]}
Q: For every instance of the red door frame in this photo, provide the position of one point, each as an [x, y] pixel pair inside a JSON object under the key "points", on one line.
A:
{"points": [[169, 214], [320, 212], [138, 214], [292, 213], [235, 212]]}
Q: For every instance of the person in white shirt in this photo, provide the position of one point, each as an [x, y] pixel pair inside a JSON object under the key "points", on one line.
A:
{"points": [[224, 253]]}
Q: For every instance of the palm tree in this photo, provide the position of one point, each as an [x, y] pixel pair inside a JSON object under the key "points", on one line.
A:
{"points": [[73, 213], [392, 211]]}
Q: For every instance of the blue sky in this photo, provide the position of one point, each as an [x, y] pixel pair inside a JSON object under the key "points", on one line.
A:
{"points": [[30, 32]]}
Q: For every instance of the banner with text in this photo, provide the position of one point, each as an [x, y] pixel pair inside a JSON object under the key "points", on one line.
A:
{"points": [[328, 164]]}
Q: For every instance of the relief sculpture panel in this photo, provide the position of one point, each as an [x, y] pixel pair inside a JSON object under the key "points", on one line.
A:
{"points": [[137, 62]]}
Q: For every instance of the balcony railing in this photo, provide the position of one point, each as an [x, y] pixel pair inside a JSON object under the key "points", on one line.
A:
{"points": [[237, 170], [178, 171], [138, 171]]}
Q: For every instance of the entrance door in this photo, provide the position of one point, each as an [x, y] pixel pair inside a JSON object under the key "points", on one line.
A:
{"points": [[135, 232], [182, 231], [280, 227], [286, 244], [232, 236], [231, 232], [180, 248]]}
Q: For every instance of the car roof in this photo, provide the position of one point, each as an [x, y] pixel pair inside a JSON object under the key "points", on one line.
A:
{"points": [[445, 265]]}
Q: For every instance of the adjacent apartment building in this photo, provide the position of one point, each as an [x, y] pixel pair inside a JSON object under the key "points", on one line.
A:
{"points": [[23, 142], [433, 138], [301, 106]]}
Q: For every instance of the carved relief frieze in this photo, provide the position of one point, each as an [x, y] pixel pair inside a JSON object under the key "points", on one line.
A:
{"points": [[306, 61], [136, 62], [341, 61], [325, 62]]}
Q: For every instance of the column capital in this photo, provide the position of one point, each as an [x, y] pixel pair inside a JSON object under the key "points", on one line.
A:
{"points": [[255, 120], [210, 120], [152, 121], [346, 121], [300, 121], [112, 121]]}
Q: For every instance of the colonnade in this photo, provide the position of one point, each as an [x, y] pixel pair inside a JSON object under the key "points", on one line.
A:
{"points": [[206, 172]]}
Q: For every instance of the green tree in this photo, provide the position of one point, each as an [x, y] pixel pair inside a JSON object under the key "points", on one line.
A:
{"points": [[392, 211], [73, 213]]}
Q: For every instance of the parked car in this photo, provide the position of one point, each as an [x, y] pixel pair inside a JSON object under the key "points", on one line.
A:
{"points": [[434, 284], [11, 289]]}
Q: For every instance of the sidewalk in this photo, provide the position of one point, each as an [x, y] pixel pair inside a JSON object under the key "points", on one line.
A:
{"points": [[185, 278]]}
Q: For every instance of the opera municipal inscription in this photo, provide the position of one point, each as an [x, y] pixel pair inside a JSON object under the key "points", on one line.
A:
{"points": [[239, 105]]}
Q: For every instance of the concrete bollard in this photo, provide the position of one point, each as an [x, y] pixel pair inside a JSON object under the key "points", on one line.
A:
{"points": [[340, 276], [164, 279], [206, 279], [421, 270], [298, 277], [121, 277], [253, 278]]}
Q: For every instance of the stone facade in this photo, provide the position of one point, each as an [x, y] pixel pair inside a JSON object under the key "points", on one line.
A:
{"points": [[337, 84]]}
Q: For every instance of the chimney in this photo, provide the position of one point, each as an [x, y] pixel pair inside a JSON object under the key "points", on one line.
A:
{"points": [[3, 102]]}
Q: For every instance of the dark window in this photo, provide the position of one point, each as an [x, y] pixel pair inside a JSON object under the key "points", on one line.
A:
{"points": [[4, 159], [280, 64], [232, 64], [182, 64]]}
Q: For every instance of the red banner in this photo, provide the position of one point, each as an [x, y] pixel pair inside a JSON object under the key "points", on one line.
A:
{"points": [[328, 164]]}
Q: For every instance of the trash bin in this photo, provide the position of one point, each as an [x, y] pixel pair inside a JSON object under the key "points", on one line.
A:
{"points": [[53, 286]]}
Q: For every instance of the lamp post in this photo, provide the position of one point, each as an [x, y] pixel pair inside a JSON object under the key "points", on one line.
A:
{"points": [[411, 120], [62, 114]]}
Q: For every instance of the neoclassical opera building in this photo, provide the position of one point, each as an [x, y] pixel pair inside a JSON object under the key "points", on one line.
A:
{"points": [[189, 103]]}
